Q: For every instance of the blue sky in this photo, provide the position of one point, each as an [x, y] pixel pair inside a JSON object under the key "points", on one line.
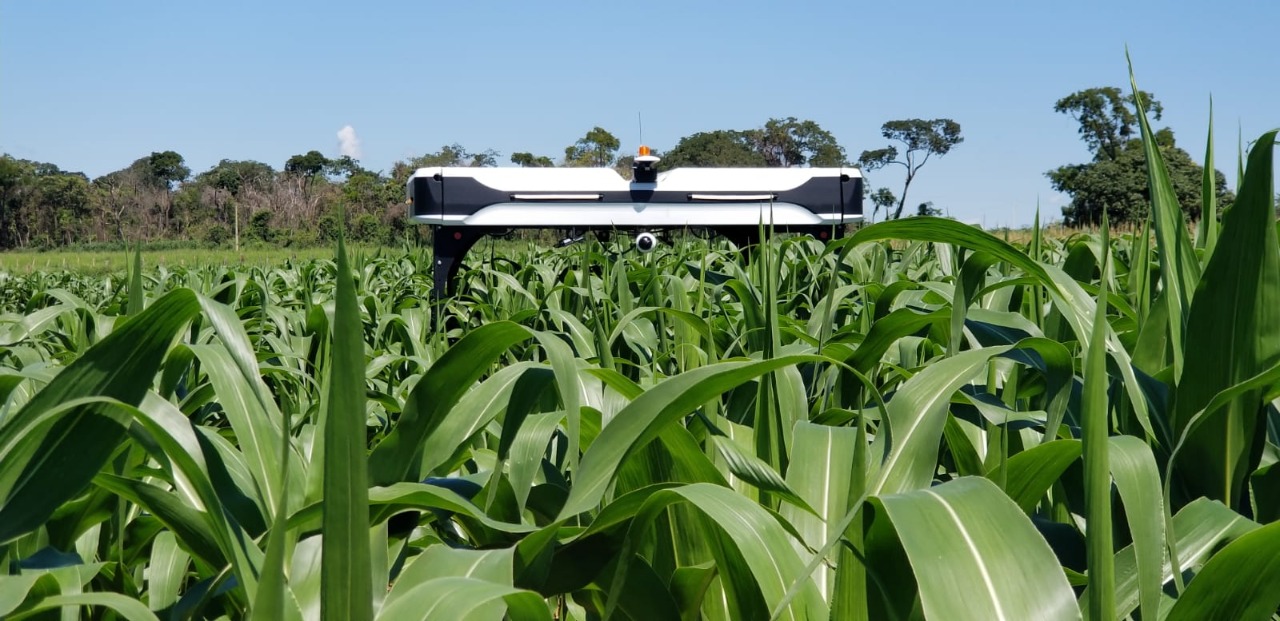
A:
{"points": [[93, 85]]}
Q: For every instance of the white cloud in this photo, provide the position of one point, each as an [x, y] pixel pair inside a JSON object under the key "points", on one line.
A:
{"points": [[350, 143]]}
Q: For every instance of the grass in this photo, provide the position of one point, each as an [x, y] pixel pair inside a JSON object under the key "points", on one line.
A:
{"points": [[99, 263]]}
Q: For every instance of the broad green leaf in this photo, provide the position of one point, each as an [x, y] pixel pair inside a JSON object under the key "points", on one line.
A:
{"points": [[916, 418], [14, 590], [1232, 341], [822, 465], [976, 556], [43, 463], [1137, 479], [435, 395], [1242, 581], [1029, 474], [1207, 237], [257, 431], [472, 412], [1199, 530], [756, 535], [464, 599], [527, 450], [440, 561], [166, 571], [125, 606], [751, 469], [642, 420]]}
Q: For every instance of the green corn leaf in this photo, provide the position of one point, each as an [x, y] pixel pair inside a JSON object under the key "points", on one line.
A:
{"points": [[345, 568], [756, 535], [1095, 429], [472, 412], [188, 524], [820, 473], [642, 420], [1232, 341], [1240, 582], [1208, 231], [165, 572], [135, 283], [1179, 265], [1199, 530], [465, 599], [44, 463], [917, 415], [1137, 479], [975, 555], [439, 561], [436, 393], [1029, 474], [123, 605]]}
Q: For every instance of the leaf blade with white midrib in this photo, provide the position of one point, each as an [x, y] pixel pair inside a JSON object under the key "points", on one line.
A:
{"points": [[976, 556]]}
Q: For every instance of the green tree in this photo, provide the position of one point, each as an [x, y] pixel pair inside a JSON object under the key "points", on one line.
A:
{"points": [[529, 160], [114, 193], [715, 149], [344, 166], [597, 148], [927, 209], [234, 178], [791, 142], [260, 226], [882, 198], [307, 165], [15, 175], [1120, 185], [1108, 118], [921, 139], [305, 168], [160, 173], [165, 169], [1116, 179], [451, 155]]}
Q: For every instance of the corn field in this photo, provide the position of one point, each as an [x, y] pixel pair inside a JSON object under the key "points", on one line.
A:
{"points": [[920, 420]]}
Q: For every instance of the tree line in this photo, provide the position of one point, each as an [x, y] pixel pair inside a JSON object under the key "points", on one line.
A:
{"points": [[158, 197]]}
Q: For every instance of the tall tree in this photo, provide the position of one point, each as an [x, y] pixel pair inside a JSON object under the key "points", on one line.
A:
{"points": [[529, 160], [14, 183], [882, 198], [236, 178], [922, 139], [791, 142], [304, 168], [166, 169], [1116, 180], [597, 148], [1108, 118], [307, 165], [780, 143], [161, 172], [343, 166], [450, 155], [115, 193], [715, 149], [1120, 185]]}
